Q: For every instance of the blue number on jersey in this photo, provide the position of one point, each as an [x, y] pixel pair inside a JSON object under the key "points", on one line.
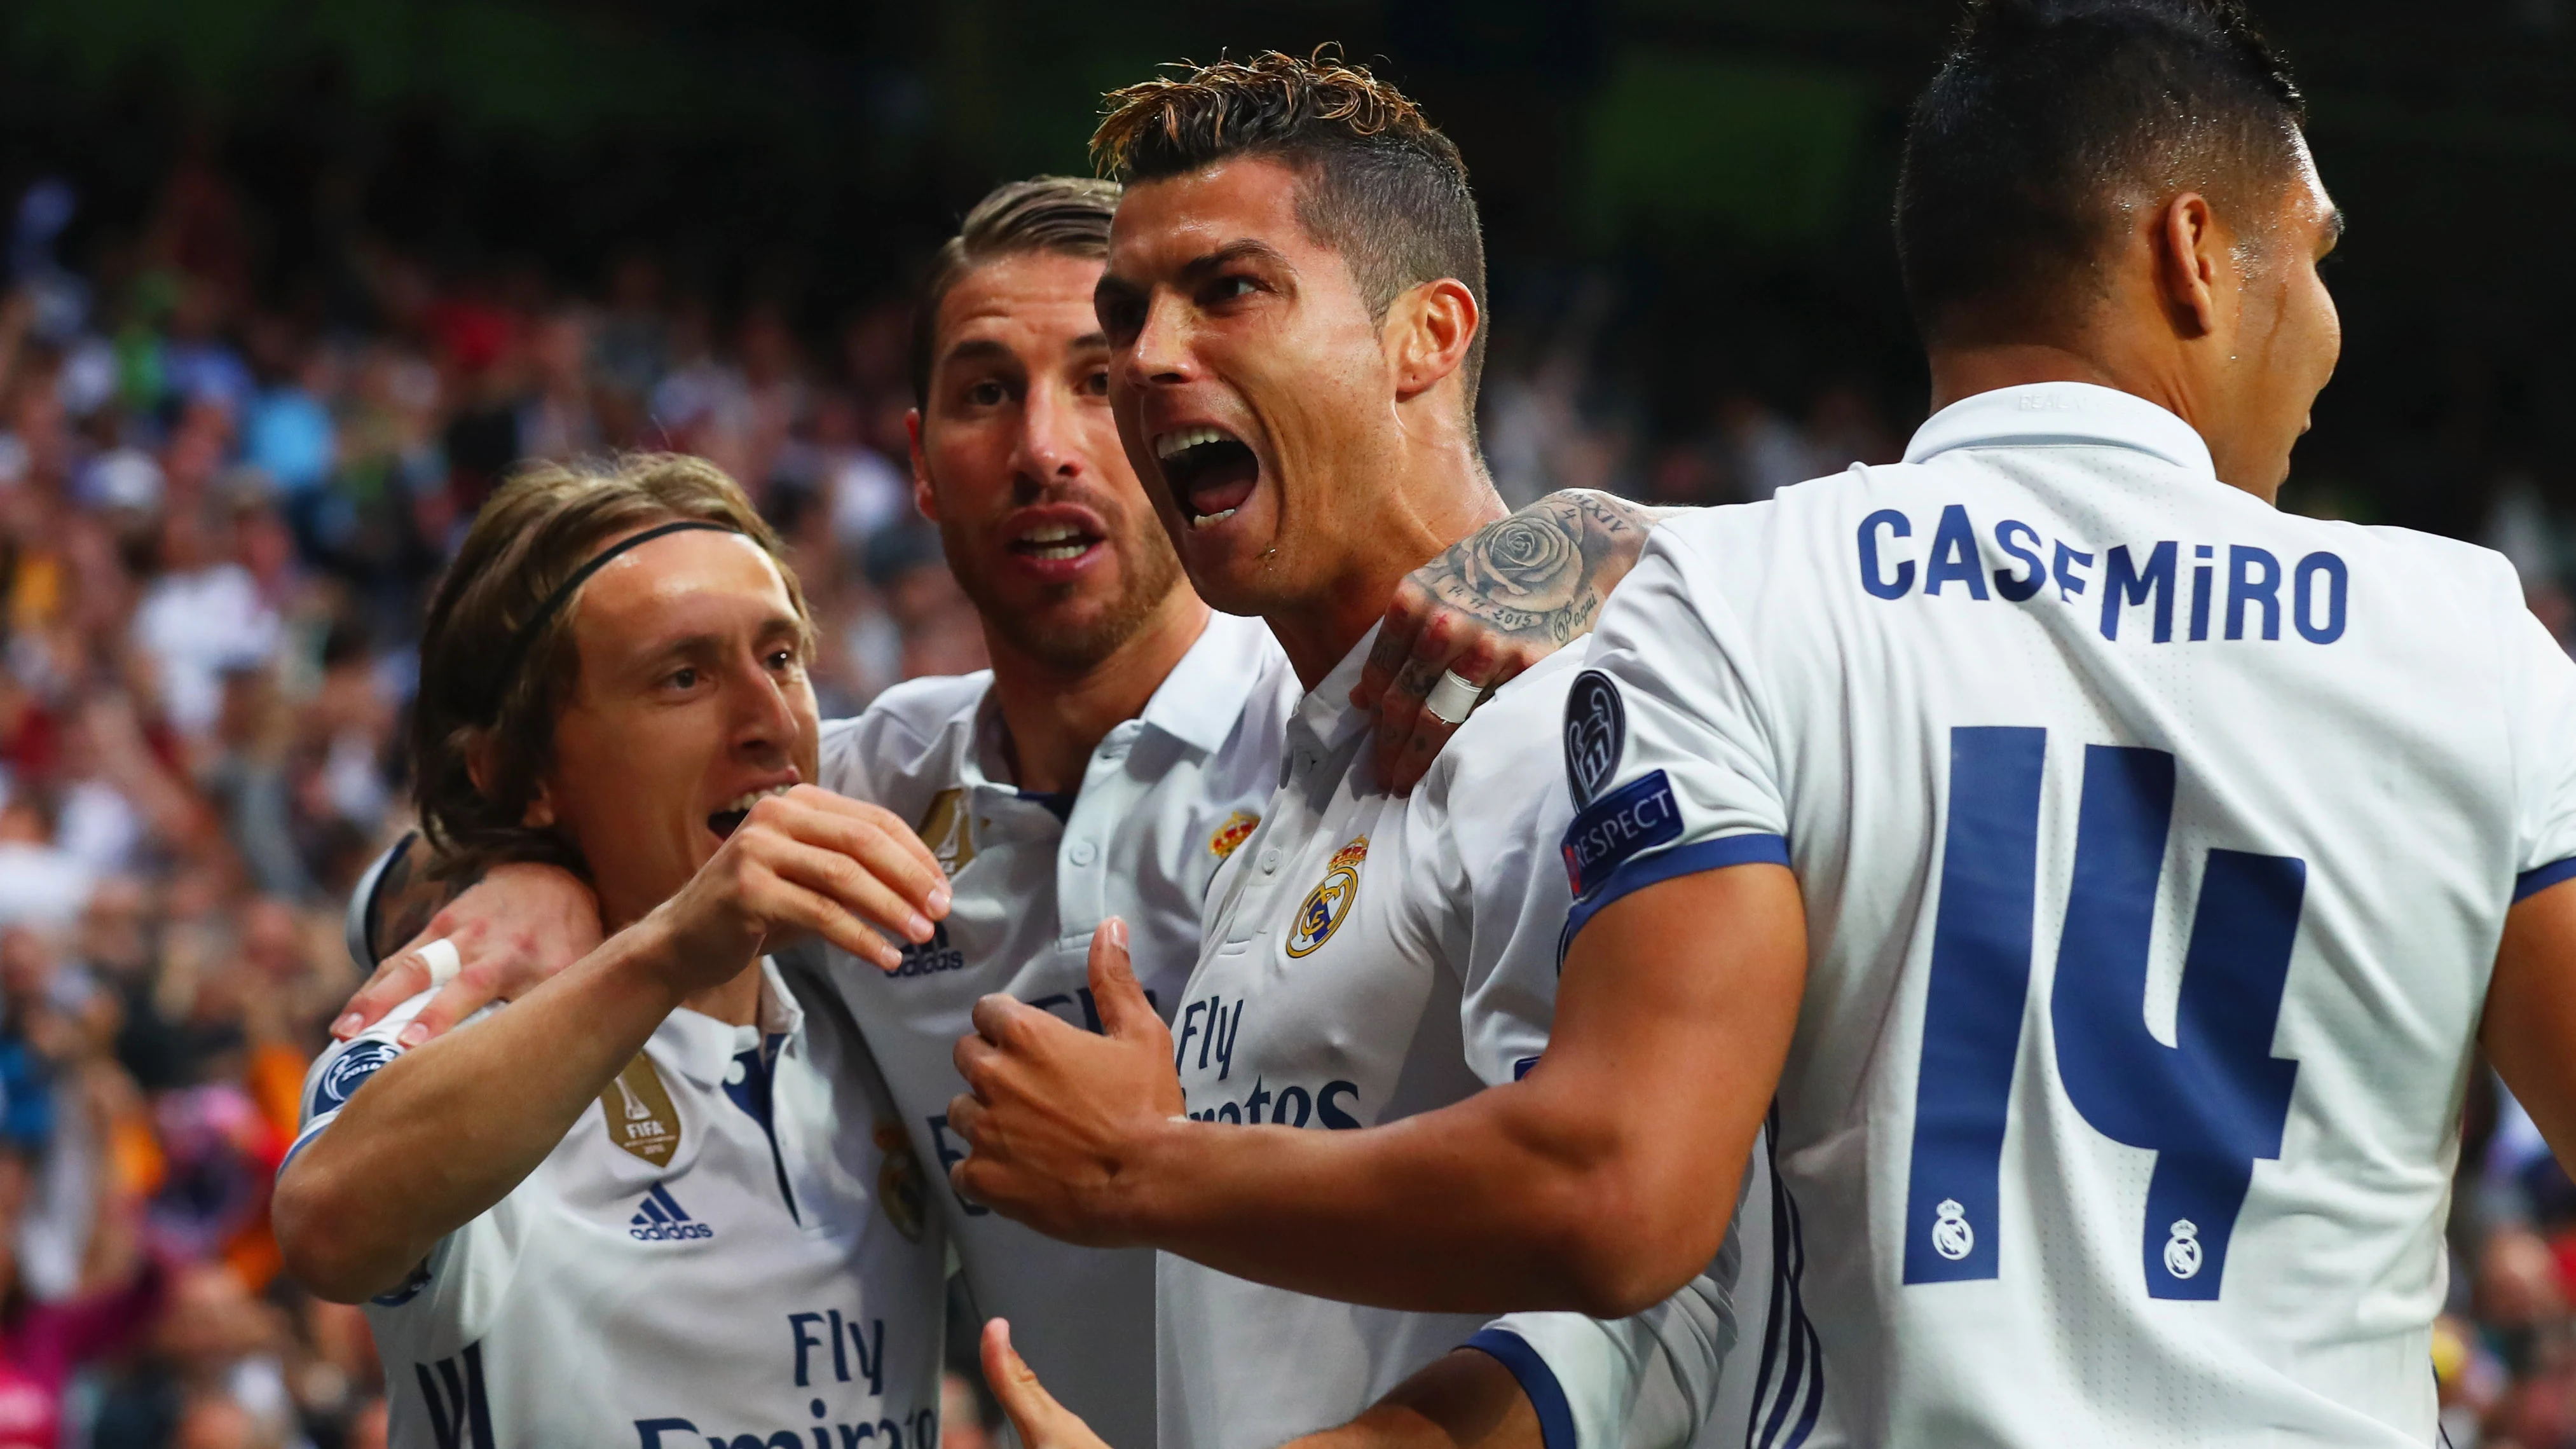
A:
{"points": [[2208, 1106]]}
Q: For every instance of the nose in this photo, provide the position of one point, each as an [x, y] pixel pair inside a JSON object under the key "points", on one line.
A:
{"points": [[1160, 353], [764, 711], [1045, 451]]}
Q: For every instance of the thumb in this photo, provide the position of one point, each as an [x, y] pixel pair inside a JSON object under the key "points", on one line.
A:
{"points": [[1124, 1011], [1041, 1421]]}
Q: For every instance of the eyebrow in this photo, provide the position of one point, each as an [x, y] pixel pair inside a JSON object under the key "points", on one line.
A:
{"points": [[654, 655], [1248, 249], [976, 349], [2335, 228]]}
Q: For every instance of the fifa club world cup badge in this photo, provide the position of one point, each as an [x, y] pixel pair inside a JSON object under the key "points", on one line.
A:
{"points": [[1952, 1238], [902, 1189], [948, 829], [1596, 735], [1330, 903], [639, 1115]]}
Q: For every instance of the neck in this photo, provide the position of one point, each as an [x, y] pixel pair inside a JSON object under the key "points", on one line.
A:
{"points": [[735, 1003], [1055, 717], [1434, 499], [1963, 372]]}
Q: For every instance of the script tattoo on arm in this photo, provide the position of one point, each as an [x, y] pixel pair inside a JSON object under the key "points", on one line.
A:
{"points": [[1540, 575]]}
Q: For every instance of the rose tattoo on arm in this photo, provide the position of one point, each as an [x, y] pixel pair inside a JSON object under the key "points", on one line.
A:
{"points": [[1540, 575], [1497, 602]]}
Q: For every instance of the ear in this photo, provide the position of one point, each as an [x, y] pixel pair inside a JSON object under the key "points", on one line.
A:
{"points": [[2192, 264], [923, 501], [1429, 332], [479, 768]]}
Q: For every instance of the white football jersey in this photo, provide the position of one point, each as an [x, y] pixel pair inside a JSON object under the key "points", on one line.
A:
{"points": [[2155, 846], [1367, 957], [1166, 798], [733, 1244]]}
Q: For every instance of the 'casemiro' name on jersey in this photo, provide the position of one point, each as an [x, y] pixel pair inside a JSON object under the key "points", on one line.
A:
{"points": [[2155, 845]]}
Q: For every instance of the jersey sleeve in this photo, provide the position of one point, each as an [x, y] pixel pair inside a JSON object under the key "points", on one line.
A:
{"points": [[1654, 1380], [344, 1067], [335, 1076], [2541, 688], [1669, 752]]}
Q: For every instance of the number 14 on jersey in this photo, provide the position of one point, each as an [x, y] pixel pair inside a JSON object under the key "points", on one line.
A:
{"points": [[2209, 1106]]}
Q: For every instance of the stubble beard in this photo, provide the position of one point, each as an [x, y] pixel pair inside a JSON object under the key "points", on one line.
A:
{"points": [[1149, 571]]}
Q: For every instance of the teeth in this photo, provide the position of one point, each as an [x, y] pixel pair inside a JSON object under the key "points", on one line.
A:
{"points": [[1170, 443], [1062, 551], [749, 798], [1211, 520], [1051, 533]]}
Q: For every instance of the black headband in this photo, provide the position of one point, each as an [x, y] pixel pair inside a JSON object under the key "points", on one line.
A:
{"points": [[514, 656]]}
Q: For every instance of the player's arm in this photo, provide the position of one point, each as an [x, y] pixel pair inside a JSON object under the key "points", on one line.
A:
{"points": [[515, 925], [1597, 1183], [2530, 1027], [443, 1132], [1497, 602]]}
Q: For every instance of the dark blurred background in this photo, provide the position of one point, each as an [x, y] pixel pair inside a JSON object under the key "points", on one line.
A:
{"points": [[289, 285]]}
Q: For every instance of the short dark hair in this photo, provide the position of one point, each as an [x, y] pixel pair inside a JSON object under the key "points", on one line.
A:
{"points": [[1382, 186], [1064, 215], [2045, 113], [531, 535]]}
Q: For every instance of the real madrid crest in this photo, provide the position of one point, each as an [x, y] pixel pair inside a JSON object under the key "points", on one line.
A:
{"points": [[1330, 903], [1237, 829]]}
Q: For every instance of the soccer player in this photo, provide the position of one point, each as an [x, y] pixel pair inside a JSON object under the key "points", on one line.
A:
{"points": [[1295, 303], [1122, 747], [2114, 875], [629, 1209]]}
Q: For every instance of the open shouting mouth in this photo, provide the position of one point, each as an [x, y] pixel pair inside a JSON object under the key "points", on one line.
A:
{"points": [[1210, 471]]}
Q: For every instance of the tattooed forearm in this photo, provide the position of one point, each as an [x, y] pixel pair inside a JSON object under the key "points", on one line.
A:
{"points": [[1541, 574], [406, 896]]}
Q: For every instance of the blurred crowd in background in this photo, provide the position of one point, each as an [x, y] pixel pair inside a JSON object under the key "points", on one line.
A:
{"points": [[222, 500]]}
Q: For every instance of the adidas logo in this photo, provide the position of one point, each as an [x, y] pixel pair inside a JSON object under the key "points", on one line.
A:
{"points": [[663, 1220]]}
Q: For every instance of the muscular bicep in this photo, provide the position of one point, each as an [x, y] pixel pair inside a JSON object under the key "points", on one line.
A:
{"points": [[2530, 1027], [1673, 1020]]}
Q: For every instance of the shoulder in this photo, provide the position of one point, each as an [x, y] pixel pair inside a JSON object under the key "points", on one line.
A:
{"points": [[900, 732], [1506, 752], [344, 1067], [2428, 554]]}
